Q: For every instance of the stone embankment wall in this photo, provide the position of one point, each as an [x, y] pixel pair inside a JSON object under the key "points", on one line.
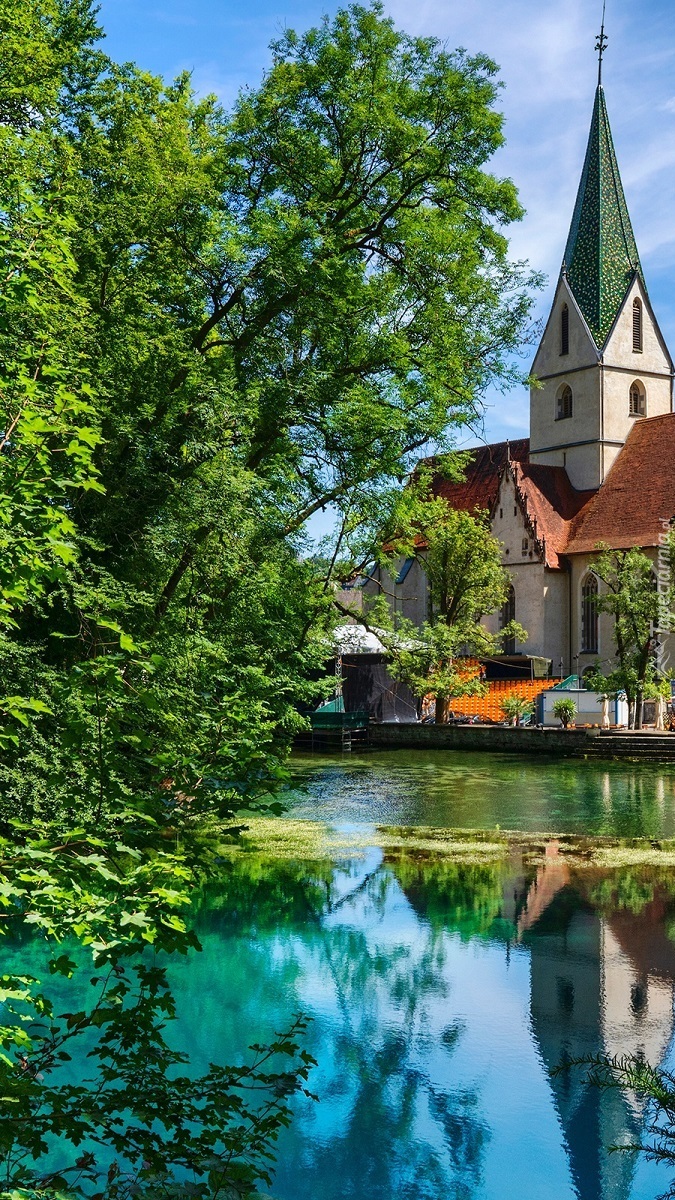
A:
{"points": [[571, 743]]}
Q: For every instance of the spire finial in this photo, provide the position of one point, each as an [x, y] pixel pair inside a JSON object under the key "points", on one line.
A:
{"points": [[601, 44]]}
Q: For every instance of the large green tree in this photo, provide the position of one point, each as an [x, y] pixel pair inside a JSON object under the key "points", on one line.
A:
{"points": [[211, 325], [275, 309]]}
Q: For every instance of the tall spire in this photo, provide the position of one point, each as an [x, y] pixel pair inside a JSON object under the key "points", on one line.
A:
{"points": [[601, 255], [601, 44]]}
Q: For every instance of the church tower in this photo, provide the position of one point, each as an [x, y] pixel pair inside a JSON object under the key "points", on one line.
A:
{"points": [[602, 363]]}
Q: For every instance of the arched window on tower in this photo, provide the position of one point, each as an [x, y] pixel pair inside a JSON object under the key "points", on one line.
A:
{"points": [[507, 615], [637, 325], [637, 401], [589, 615], [564, 403], [564, 330]]}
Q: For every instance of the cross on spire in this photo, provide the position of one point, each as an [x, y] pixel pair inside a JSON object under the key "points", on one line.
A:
{"points": [[601, 44]]}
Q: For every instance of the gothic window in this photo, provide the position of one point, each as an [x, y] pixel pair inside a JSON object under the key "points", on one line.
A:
{"points": [[589, 615], [564, 330], [637, 324], [508, 614], [564, 403], [637, 406], [526, 545]]}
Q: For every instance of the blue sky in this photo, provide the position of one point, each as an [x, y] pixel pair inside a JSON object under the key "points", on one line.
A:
{"points": [[548, 66]]}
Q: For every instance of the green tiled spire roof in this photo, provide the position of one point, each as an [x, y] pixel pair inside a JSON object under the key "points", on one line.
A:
{"points": [[601, 256]]}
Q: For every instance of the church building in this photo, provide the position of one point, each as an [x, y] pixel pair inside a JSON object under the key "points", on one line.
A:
{"points": [[599, 464]]}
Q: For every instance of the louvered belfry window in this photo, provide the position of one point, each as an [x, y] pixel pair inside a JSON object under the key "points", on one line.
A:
{"points": [[637, 325], [565, 330]]}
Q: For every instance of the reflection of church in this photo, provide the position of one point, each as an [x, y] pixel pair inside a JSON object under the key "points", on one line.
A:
{"points": [[599, 985]]}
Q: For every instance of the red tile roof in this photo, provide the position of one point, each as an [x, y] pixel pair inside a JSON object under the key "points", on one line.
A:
{"points": [[550, 504], [638, 491], [480, 486], [547, 497]]}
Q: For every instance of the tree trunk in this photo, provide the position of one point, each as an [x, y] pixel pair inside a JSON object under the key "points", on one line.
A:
{"points": [[639, 702], [441, 709]]}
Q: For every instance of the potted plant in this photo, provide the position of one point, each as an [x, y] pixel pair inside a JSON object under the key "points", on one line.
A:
{"points": [[564, 710], [515, 708]]}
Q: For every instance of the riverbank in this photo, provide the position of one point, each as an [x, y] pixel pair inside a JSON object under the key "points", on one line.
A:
{"points": [[634, 745]]}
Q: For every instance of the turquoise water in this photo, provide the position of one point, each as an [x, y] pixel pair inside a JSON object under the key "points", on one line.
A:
{"points": [[443, 995], [455, 789], [441, 998]]}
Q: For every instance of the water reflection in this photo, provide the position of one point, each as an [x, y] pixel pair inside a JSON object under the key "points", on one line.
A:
{"points": [[442, 996], [457, 789], [599, 984]]}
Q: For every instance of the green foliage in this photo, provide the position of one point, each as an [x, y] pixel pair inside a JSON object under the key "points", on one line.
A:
{"points": [[517, 707], [565, 710], [640, 605], [212, 325], [462, 562], [227, 322], [653, 1088], [95, 1098], [466, 898]]}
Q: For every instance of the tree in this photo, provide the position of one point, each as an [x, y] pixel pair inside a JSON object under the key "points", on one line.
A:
{"points": [[211, 325], [275, 309], [462, 563], [339, 289], [639, 608]]}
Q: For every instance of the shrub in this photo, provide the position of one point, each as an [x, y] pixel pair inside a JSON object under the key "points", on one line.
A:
{"points": [[564, 710], [515, 708]]}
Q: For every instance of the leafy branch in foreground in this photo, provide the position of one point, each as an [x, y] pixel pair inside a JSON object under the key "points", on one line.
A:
{"points": [[652, 1085], [94, 1097]]}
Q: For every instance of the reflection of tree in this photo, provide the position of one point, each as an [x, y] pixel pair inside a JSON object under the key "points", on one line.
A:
{"points": [[465, 898], [396, 1128], [365, 949]]}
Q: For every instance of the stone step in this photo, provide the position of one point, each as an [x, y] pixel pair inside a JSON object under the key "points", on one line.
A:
{"points": [[647, 754]]}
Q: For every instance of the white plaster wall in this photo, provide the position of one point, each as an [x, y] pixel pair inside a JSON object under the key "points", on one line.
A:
{"points": [[601, 391], [552, 441], [541, 594], [582, 352], [619, 348], [580, 565], [546, 430], [412, 596]]}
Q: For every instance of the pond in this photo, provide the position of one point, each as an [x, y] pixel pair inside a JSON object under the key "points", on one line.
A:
{"points": [[462, 790], [444, 992], [442, 995]]}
